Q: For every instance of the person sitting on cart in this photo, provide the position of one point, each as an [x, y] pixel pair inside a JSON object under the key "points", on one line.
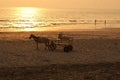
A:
{"points": [[60, 35]]}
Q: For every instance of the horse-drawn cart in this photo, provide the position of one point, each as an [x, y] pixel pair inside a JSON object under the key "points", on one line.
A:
{"points": [[52, 44]]}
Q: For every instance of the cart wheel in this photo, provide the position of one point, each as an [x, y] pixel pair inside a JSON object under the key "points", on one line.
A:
{"points": [[70, 47], [52, 46], [66, 49]]}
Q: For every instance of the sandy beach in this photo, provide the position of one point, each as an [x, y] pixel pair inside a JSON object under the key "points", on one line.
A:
{"points": [[96, 56]]}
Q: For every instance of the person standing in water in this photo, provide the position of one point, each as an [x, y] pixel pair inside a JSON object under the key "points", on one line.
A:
{"points": [[95, 22], [105, 22]]}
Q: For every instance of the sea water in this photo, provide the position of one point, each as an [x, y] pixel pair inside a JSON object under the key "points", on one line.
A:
{"points": [[40, 19]]}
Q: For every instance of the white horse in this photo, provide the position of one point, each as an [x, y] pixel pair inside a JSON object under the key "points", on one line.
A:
{"points": [[40, 40]]}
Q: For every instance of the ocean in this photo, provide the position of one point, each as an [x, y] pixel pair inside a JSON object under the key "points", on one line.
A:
{"points": [[39, 19]]}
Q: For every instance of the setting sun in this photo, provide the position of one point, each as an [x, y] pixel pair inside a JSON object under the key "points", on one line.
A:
{"points": [[27, 13], [26, 17]]}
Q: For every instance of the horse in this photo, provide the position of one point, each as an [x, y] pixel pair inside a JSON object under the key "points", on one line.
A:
{"points": [[40, 40]]}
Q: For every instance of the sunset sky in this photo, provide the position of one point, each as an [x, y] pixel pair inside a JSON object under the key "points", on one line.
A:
{"points": [[95, 4]]}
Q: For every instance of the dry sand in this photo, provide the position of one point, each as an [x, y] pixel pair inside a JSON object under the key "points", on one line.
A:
{"points": [[96, 56]]}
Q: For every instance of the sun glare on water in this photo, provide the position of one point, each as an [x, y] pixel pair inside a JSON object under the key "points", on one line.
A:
{"points": [[27, 15], [28, 12]]}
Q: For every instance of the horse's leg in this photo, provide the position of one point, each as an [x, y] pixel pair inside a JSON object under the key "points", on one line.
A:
{"points": [[46, 47], [37, 44]]}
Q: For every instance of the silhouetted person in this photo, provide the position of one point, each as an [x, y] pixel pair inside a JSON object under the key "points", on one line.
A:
{"points": [[105, 22], [60, 35], [95, 22]]}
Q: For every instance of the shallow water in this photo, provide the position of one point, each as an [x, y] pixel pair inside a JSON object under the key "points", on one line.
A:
{"points": [[38, 19]]}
